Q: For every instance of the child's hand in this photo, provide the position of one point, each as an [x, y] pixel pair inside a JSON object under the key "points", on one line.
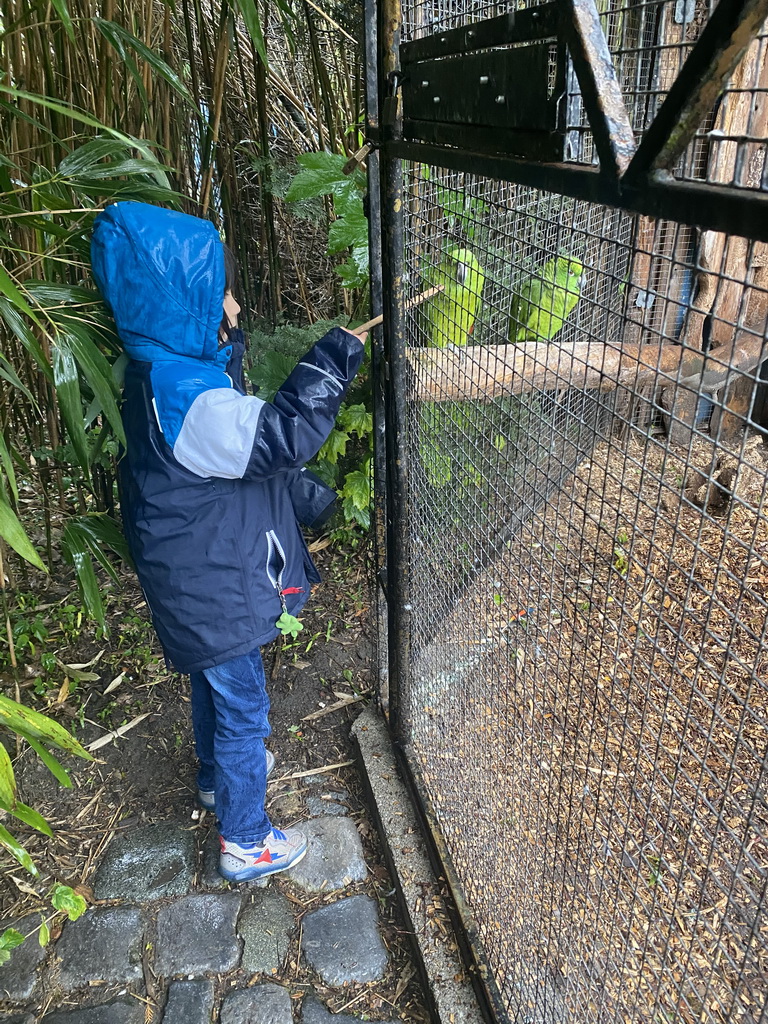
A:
{"points": [[360, 337]]}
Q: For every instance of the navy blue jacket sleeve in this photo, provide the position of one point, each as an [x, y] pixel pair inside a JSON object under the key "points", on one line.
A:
{"points": [[313, 501], [292, 429]]}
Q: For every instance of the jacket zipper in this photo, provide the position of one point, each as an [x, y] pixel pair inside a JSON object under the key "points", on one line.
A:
{"points": [[275, 547]]}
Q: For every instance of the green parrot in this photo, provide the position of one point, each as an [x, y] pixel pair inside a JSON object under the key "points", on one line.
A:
{"points": [[450, 315], [544, 303], [449, 321]]}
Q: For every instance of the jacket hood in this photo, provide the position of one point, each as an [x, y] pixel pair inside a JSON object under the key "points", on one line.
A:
{"points": [[162, 275]]}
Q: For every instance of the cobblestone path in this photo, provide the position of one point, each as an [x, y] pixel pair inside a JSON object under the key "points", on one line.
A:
{"points": [[169, 941]]}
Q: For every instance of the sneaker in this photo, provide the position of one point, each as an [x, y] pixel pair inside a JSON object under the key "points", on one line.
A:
{"points": [[207, 797], [278, 851]]}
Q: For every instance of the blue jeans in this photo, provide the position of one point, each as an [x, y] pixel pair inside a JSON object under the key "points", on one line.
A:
{"points": [[229, 717]]}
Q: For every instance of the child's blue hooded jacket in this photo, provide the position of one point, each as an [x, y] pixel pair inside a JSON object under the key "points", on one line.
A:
{"points": [[211, 482]]}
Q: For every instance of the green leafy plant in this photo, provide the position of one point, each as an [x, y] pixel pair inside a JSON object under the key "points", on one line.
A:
{"points": [[41, 733], [322, 174]]}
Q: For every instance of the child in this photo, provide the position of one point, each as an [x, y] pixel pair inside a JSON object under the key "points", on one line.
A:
{"points": [[211, 488]]}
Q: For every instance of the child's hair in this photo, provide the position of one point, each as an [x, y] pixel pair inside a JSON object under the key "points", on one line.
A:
{"points": [[230, 285], [230, 270]]}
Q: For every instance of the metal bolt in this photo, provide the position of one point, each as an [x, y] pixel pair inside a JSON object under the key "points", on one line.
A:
{"points": [[500, 99], [442, 39], [424, 85], [435, 99], [470, 34], [484, 79]]}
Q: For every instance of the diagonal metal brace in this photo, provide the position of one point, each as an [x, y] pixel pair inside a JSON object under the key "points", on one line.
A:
{"points": [[723, 41], [600, 88]]}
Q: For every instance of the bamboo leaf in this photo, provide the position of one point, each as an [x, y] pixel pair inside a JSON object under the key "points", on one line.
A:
{"points": [[59, 108], [7, 463], [75, 549], [50, 294], [8, 373], [97, 372], [68, 393], [16, 850], [117, 34], [54, 767], [34, 726], [86, 157], [60, 6], [16, 324], [100, 532], [115, 168], [7, 780], [12, 293], [13, 533], [250, 15], [28, 815]]}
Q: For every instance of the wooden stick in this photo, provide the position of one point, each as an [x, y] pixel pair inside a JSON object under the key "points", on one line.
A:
{"points": [[409, 305], [481, 373]]}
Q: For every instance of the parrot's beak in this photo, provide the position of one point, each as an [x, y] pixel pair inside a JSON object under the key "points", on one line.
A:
{"points": [[461, 273]]}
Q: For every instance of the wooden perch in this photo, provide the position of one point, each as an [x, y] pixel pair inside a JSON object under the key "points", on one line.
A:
{"points": [[417, 300], [482, 373]]}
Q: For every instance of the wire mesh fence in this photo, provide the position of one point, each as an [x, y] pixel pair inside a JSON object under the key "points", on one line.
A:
{"points": [[586, 534], [587, 700]]}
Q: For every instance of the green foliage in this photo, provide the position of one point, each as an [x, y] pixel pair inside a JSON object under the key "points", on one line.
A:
{"points": [[12, 532], [85, 540], [9, 940], [322, 174], [67, 901], [40, 732], [68, 319]]}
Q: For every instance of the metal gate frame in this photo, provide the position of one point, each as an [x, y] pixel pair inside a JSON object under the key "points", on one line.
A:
{"points": [[633, 179]]}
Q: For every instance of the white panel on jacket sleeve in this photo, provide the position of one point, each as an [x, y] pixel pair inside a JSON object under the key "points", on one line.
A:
{"points": [[217, 435]]}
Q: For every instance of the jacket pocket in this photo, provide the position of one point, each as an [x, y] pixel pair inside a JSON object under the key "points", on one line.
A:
{"points": [[276, 564]]}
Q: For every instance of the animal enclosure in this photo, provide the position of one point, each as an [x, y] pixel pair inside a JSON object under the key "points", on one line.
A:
{"points": [[576, 469]]}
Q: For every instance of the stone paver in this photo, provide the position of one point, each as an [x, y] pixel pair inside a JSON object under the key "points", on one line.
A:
{"points": [[147, 864], [334, 858], [261, 1004], [313, 1012], [105, 944], [197, 934], [189, 1002], [18, 977], [342, 941], [23, 1018], [211, 879], [265, 926], [120, 1011], [334, 802]]}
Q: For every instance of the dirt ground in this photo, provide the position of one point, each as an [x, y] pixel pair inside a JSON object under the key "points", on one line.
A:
{"points": [[595, 711], [148, 774]]}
